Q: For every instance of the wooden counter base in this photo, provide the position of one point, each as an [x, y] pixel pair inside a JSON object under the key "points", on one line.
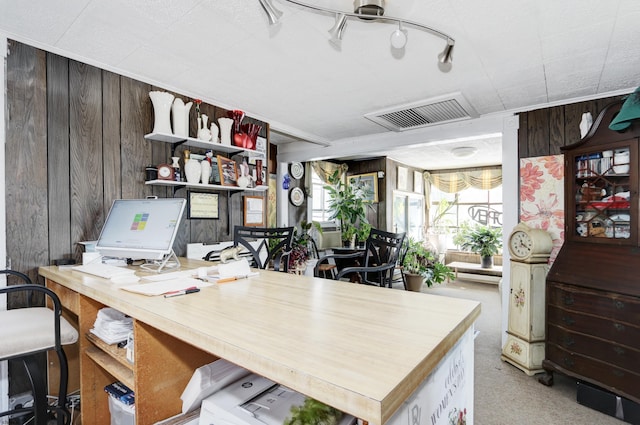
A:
{"points": [[361, 349]]}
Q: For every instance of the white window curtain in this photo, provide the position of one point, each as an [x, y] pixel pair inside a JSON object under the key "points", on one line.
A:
{"points": [[454, 181]]}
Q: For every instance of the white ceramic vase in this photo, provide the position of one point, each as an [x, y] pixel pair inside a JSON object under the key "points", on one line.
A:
{"points": [[203, 131], [161, 101], [214, 132], [180, 115], [225, 130], [192, 171], [176, 168], [205, 171]]}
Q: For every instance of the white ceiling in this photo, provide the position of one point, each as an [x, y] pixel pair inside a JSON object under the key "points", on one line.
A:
{"points": [[509, 56]]}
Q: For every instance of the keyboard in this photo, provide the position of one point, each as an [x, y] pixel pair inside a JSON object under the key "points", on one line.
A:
{"points": [[105, 271]]}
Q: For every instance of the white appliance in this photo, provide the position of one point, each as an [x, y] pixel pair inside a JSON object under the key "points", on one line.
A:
{"points": [[253, 400]]}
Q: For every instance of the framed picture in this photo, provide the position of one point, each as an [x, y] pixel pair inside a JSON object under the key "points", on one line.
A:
{"points": [[417, 182], [403, 177], [368, 183], [254, 211], [202, 205], [228, 171]]}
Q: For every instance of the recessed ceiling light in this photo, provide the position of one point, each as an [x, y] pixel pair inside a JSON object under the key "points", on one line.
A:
{"points": [[463, 151]]}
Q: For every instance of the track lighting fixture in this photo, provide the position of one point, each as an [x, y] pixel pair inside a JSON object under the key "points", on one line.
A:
{"points": [[370, 10]]}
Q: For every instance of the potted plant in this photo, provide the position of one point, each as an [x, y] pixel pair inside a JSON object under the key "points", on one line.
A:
{"points": [[480, 239], [301, 247], [347, 205], [421, 266], [362, 233]]}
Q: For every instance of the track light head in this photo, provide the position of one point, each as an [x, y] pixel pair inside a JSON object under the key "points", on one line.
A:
{"points": [[273, 14], [399, 37], [446, 57], [337, 30]]}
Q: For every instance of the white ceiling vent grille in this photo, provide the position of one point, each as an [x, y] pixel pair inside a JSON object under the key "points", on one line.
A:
{"points": [[438, 110]]}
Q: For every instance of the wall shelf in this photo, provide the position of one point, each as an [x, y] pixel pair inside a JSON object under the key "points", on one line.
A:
{"points": [[197, 143], [202, 186]]}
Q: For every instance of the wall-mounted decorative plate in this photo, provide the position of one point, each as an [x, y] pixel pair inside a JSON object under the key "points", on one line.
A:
{"points": [[296, 196], [297, 170]]}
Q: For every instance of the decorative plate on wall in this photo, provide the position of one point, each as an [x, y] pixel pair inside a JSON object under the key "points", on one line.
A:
{"points": [[297, 170], [296, 196]]}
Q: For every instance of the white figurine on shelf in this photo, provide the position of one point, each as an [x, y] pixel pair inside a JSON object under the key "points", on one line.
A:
{"points": [[585, 124], [245, 178]]}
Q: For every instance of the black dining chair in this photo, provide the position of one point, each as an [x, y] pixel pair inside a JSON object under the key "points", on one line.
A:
{"points": [[376, 264], [28, 332], [399, 266], [267, 246]]}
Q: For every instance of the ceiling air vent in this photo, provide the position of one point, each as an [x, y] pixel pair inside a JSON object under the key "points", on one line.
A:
{"points": [[437, 110]]}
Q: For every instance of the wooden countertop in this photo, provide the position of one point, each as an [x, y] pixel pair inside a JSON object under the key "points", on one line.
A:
{"points": [[361, 349]]}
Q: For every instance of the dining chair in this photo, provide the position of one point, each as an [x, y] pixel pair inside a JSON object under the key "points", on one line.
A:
{"points": [[325, 269], [399, 266], [375, 265], [26, 333], [273, 245]]}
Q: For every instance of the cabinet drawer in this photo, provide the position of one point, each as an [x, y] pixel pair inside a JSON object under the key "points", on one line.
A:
{"points": [[599, 303], [606, 329], [601, 372], [603, 350]]}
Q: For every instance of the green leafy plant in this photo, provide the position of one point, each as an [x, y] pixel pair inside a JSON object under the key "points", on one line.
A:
{"points": [[313, 412], [348, 232], [422, 261], [362, 233], [346, 204], [480, 239]]}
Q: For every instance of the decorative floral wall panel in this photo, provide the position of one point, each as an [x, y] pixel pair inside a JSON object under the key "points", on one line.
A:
{"points": [[542, 196]]}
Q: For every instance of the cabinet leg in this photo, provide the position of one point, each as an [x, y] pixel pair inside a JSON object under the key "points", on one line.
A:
{"points": [[546, 379]]}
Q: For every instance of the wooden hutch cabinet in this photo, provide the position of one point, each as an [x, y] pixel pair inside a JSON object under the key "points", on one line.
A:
{"points": [[593, 287]]}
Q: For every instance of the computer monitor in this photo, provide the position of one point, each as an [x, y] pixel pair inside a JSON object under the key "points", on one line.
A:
{"points": [[141, 228]]}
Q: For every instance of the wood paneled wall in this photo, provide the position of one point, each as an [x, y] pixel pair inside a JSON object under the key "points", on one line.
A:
{"points": [[75, 142], [543, 131]]}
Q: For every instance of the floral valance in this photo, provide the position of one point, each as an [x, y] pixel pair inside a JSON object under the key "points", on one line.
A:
{"points": [[455, 181], [325, 169]]}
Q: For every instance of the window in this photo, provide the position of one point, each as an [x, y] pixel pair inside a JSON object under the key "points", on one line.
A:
{"points": [[408, 214], [320, 199], [473, 205]]}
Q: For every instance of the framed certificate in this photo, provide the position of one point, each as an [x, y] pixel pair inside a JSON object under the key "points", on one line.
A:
{"points": [[202, 205], [254, 211]]}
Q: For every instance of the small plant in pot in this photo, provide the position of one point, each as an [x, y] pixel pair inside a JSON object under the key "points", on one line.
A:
{"points": [[480, 239], [421, 266], [362, 234]]}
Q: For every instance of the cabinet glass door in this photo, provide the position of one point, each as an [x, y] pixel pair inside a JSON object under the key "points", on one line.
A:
{"points": [[602, 191]]}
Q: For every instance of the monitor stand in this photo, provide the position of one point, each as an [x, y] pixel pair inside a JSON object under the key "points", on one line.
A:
{"points": [[168, 263]]}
